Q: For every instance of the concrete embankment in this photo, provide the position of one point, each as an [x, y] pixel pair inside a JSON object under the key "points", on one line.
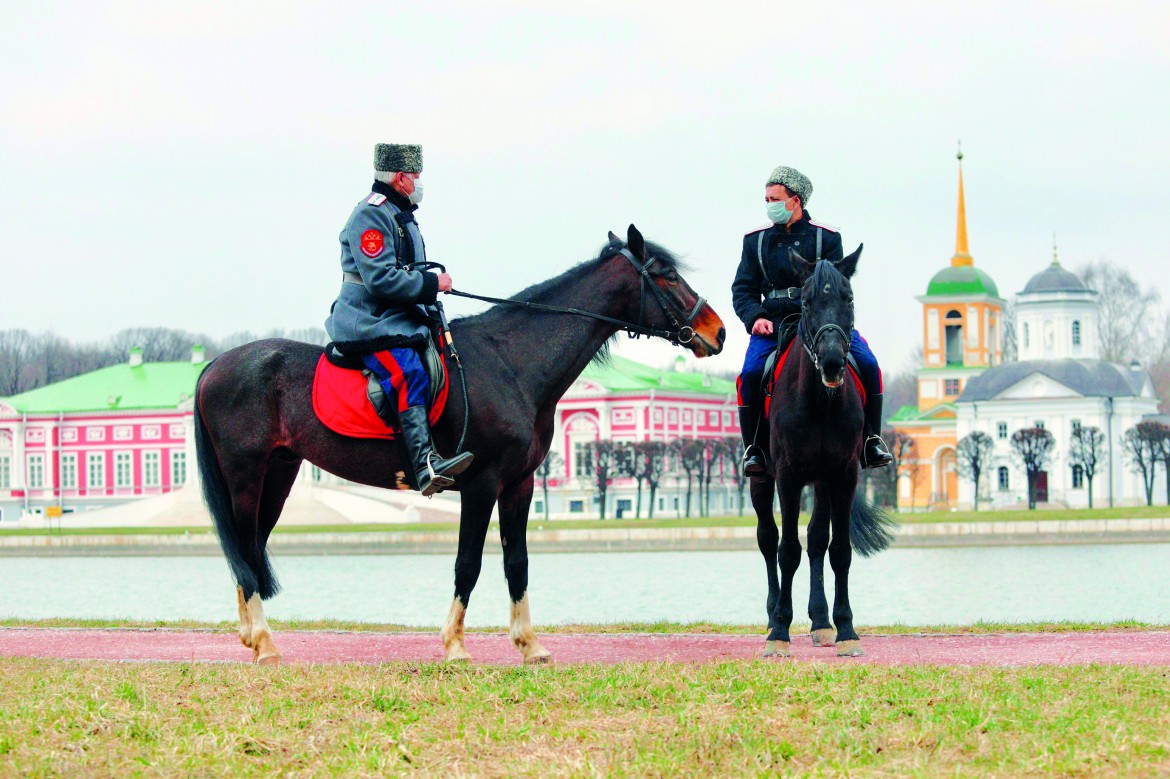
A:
{"points": [[610, 539]]}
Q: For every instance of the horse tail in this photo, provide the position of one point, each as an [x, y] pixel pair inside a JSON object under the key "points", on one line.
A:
{"points": [[254, 575], [870, 528]]}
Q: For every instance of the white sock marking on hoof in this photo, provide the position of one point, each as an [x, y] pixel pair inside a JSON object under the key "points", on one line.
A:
{"points": [[850, 649], [777, 649]]}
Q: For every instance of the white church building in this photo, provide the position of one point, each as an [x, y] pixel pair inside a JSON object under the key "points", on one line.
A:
{"points": [[1060, 383]]}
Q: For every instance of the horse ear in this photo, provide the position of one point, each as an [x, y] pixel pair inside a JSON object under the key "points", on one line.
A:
{"points": [[613, 238], [636, 242], [848, 265], [803, 267]]}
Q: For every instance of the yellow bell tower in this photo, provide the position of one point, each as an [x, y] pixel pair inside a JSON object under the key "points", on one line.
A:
{"points": [[962, 336]]}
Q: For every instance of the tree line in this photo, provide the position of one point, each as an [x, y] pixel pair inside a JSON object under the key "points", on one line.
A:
{"points": [[699, 461], [1145, 448], [32, 360]]}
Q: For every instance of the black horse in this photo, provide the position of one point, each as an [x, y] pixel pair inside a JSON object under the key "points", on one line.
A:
{"points": [[816, 421], [255, 423]]}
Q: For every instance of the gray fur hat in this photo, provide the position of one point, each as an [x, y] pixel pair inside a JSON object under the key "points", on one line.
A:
{"points": [[794, 181], [398, 157]]}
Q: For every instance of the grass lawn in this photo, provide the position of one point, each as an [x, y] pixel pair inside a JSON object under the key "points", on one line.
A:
{"points": [[647, 719], [536, 525], [624, 627]]}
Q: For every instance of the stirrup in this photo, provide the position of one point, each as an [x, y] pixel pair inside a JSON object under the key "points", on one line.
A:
{"points": [[881, 459], [757, 468]]}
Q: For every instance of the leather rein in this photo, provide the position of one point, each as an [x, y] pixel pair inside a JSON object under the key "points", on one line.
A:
{"points": [[682, 331]]}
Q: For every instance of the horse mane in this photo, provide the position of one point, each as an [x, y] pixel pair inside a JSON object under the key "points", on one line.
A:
{"points": [[542, 290], [826, 272]]}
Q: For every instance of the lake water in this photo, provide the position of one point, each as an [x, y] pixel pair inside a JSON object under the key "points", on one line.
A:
{"points": [[910, 586]]}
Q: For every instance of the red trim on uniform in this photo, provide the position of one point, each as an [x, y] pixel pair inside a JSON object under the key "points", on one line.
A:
{"points": [[738, 390], [397, 379], [372, 243]]}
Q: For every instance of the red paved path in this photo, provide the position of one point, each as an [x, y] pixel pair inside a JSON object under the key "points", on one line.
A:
{"points": [[1111, 648]]}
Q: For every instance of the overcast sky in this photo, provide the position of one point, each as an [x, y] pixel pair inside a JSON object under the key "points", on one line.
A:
{"points": [[191, 164]]}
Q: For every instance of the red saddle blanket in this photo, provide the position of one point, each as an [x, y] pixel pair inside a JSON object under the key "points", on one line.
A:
{"points": [[780, 366], [341, 403]]}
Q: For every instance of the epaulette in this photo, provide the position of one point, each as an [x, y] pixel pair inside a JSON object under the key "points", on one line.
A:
{"points": [[823, 226], [757, 229], [376, 199]]}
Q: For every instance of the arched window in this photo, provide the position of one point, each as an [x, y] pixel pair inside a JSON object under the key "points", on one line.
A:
{"points": [[1027, 335], [1076, 332], [953, 327], [1004, 478]]}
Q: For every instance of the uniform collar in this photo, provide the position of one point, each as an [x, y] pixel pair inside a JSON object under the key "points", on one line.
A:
{"points": [[393, 195], [796, 226]]}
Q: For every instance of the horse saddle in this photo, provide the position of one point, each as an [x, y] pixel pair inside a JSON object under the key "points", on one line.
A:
{"points": [[349, 400]]}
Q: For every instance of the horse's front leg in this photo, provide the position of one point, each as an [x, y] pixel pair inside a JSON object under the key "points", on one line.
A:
{"points": [[840, 556], [768, 539], [478, 498], [818, 544], [514, 503], [789, 488]]}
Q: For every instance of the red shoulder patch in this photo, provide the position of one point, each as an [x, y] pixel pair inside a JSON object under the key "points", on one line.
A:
{"points": [[372, 243], [824, 226], [757, 229]]}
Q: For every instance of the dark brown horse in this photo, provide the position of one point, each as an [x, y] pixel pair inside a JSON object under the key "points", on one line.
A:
{"points": [[816, 421], [255, 423]]}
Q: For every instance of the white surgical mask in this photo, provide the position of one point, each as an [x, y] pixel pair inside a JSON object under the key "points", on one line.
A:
{"points": [[415, 197], [779, 212]]}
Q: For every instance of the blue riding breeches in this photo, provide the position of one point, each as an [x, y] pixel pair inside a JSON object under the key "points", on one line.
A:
{"points": [[401, 374], [761, 347]]}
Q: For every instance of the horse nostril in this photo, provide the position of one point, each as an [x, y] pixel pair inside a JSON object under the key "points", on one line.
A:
{"points": [[722, 334]]}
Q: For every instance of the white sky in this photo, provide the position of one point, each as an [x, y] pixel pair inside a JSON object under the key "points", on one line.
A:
{"points": [[190, 165]]}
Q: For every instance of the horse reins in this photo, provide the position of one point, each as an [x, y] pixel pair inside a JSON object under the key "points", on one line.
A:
{"points": [[681, 334]]}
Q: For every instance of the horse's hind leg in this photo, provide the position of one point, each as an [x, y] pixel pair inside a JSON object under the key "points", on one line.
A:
{"points": [[257, 496], [478, 497], [818, 544], [514, 503]]}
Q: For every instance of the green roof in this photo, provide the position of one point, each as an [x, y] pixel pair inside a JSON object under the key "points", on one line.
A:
{"points": [[121, 387], [904, 413], [618, 374], [962, 280]]}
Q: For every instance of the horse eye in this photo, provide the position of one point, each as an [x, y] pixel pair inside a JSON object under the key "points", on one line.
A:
{"points": [[672, 276]]}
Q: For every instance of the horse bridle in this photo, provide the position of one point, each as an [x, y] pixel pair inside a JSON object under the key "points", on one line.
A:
{"points": [[810, 344], [682, 332]]}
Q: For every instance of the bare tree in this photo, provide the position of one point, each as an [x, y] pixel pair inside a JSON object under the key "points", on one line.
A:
{"points": [[1087, 450], [974, 458], [15, 350], [601, 461], [1130, 316], [552, 463], [651, 464], [690, 458], [712, 456], [158, 344], [1142, 445], [1032, 448], [732, 460]]}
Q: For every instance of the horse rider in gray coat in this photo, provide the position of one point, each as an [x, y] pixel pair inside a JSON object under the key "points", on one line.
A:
{"points": [[385, 310]]}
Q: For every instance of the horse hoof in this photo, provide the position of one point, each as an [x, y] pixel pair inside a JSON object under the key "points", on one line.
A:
{"points": [[850, 649], [458, 655], [272, 659], [823, 637], [777, 649], [545, 659]]}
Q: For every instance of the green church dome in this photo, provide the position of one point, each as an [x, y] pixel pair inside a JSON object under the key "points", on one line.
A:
{"points": [[962, 280]]}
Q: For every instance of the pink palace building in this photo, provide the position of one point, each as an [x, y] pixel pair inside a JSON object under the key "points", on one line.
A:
{"points": [[127, 432], [99, 439]]}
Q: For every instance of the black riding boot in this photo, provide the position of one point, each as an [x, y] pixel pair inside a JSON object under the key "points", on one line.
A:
{"points": [[433, 472], [874, 453], [754, 460]]}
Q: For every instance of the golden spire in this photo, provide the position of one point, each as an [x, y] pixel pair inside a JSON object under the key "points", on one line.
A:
{"points": [[962, 255], [1055, 260]]}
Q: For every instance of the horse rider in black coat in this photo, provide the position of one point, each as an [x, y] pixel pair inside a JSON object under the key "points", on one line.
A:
{"points": [[766, 298]]}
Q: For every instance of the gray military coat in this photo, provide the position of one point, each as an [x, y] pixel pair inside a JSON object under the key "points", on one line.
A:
{"points": [[381, 304]]}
